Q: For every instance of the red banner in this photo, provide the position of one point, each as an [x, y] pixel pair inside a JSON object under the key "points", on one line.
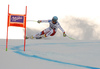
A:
{"points": [[16, 20]]}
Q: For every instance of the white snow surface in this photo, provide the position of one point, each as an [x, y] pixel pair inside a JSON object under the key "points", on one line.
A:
{"points": [[48, 53]]}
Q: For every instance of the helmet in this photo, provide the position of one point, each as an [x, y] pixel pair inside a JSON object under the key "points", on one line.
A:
{"points": [[55, 18]]}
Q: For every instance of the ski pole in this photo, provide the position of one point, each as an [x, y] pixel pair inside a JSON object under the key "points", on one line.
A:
{"points": [[31, 20], [71, 38]]}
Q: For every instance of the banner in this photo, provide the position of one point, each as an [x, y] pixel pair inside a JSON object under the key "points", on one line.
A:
{"points": [[16, 20]]}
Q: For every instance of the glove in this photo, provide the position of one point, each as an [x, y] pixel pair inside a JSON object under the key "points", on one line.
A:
{"points": [[64, 35], [39, 21]]}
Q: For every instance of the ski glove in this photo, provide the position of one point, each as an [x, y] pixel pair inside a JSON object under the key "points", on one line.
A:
{"points": [[39, 21], [64, 35]]}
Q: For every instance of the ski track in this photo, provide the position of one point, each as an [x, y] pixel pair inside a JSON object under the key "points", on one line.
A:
{"points": [[20, 52]]}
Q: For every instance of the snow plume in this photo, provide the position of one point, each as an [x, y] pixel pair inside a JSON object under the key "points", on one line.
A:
{"points": [[81, 28]]}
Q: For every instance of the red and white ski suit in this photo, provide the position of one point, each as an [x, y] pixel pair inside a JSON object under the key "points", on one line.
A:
{"points": [[51, 30]]}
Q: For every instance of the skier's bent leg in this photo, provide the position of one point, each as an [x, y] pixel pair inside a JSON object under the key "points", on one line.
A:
{"points": [[41, 33], [37, 35], [51, 33], [47, 30]]}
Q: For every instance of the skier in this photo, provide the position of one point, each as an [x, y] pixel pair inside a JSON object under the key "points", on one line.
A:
{"points": [[51, 30]]}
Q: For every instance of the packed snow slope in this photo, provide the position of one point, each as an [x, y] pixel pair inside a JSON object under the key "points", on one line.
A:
{"points": [[50, 53]]}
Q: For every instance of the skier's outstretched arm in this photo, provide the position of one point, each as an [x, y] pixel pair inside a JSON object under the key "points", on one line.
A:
{"points": [[39, 21], [64, 34]]}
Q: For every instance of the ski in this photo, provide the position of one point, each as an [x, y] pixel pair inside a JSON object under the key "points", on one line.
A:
{"points": [[33, 38]]}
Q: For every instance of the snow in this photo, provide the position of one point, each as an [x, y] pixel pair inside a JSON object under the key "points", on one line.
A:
{"points": [[50, 53]]}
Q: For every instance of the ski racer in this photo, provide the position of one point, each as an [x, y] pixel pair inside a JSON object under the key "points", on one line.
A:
{"points": [[51, 30]]}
